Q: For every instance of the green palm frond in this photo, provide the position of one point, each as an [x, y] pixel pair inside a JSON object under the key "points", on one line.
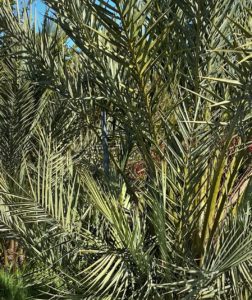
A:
{"points": [[125, 138]]}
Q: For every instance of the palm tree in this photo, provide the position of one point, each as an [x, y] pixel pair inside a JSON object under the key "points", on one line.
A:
{"points": [[173, 80]]}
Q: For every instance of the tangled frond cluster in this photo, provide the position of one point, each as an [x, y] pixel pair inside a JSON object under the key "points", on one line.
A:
{"points": [[125, 148]]}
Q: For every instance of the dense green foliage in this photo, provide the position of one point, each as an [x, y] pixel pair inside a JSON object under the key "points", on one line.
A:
{"points": [[125, 158], [11, 288]]}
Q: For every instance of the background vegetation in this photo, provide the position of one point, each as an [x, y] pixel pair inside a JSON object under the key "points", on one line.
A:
{"points": [[125, 159]]}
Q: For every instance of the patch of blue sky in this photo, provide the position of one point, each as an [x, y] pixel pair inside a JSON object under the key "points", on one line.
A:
{"points": [[39, 8]]}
